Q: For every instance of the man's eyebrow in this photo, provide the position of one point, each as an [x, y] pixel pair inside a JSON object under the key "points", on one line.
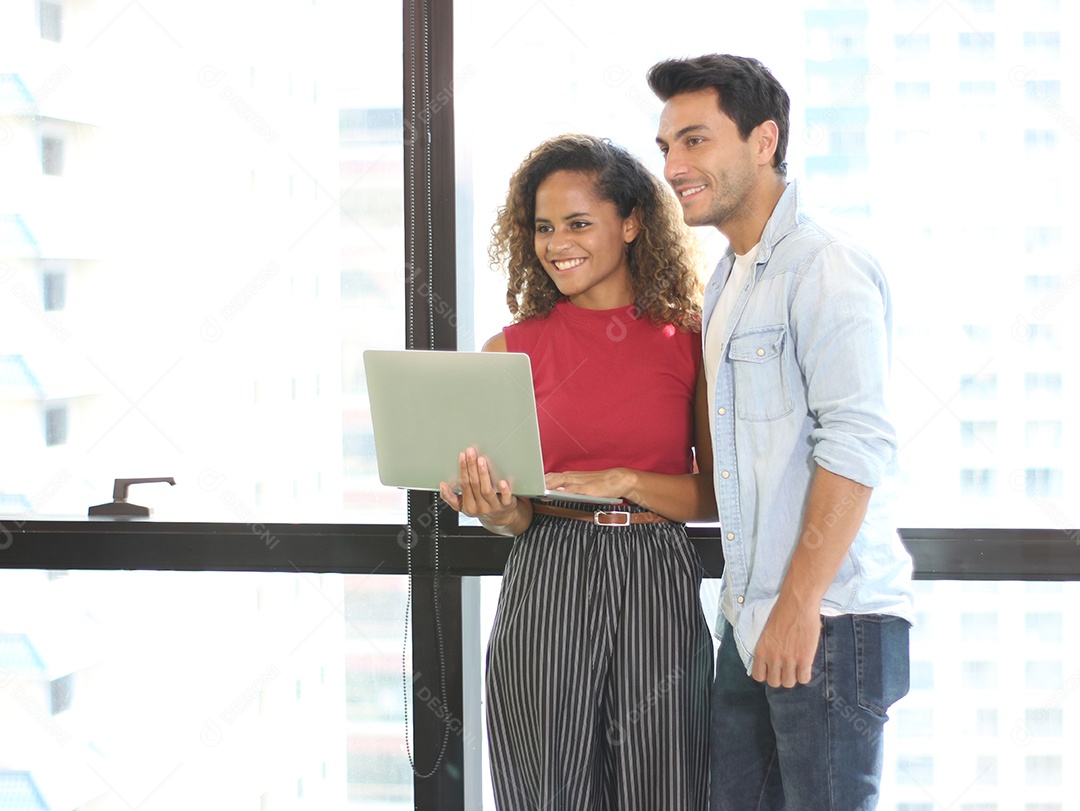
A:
{"points": [[685, 131]]}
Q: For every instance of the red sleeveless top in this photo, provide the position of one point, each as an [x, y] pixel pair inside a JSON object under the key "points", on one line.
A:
{"points": [[612, 389]]}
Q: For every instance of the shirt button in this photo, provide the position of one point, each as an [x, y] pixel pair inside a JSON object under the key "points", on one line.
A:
{"points": [[725, 475], [742, 600], [760, 352], [731, 536], [721, 411]]}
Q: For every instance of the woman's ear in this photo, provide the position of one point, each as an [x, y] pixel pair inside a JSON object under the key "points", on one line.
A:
{"points": [[632, 226]]}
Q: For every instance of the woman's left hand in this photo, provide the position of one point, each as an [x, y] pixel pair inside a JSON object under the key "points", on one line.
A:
{"points": [[617, 482]]}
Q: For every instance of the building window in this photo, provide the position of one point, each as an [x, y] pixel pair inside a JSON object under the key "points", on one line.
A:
{"points": [[912, 91], [986, 723], [915, 770], [979, 626], [979, 333], [52, 156], [978, 482], [56, 425], [915, 722], [986, 771], [53, 290], [922, 675], [1046, 626], [50, 20], [1044, 722], [1042, 92], [975, 45], [979, 675], [1044, 44], [1036, 141], [1039, 238], [1042, 384], [1042, 482], [60, 693], [977, 94], [978, 387], [912, 46], [1044, 334], [1042, 282], [1044, 675], [978, 434], [1043, 770]]}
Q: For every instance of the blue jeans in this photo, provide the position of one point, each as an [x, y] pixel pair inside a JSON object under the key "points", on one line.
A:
{"points": [[816, 746]]}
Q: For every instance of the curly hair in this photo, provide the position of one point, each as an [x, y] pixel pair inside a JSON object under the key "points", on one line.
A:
{"points": [[663, 258]]}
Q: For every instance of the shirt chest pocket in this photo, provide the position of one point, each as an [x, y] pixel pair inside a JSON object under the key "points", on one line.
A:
{"points": [[762, 390]]}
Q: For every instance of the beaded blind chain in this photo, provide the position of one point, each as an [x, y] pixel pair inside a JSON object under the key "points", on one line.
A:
{"points": [[423, 145]]}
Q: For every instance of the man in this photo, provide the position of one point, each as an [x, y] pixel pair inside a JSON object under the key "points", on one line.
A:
{"points": [[815, 606]]}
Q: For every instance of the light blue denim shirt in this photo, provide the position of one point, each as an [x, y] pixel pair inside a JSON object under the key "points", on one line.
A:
{"points": [[802, 382]]}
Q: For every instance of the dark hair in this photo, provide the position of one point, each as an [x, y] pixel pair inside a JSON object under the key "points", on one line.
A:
{"points": [[662, 258], [749, 93]]}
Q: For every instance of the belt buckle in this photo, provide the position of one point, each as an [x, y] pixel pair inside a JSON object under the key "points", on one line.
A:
{"points": [[624, 522]]}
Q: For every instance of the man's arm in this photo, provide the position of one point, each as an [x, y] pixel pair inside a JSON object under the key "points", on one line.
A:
{"points": [[834, 513]]}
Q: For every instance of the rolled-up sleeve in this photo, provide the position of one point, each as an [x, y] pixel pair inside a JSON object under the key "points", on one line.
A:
{"points": [[841, 322]]}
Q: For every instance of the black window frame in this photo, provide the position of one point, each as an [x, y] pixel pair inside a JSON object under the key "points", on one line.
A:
{"points": [[431, 545]]}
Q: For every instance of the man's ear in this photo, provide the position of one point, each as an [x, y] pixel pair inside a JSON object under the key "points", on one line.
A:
{"points": [[765, 136]]}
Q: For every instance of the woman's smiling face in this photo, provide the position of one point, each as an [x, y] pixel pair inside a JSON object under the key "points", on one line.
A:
{"points": [[582, 241]]}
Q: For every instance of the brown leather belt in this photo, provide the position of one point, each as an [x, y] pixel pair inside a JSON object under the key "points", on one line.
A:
{"points": [[616, 518]]}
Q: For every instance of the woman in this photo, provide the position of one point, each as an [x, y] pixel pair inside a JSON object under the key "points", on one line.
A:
{"points": [[600, 659]]}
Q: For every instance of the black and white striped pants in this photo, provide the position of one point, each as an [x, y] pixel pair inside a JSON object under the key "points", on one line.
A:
{"points": [[598, 672]]}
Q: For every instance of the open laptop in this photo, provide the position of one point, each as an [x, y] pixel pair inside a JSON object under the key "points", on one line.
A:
{"points": [[428, 405]]}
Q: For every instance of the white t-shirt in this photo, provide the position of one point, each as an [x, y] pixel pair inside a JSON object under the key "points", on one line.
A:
{"points": [[714, 351], [714, 337]]}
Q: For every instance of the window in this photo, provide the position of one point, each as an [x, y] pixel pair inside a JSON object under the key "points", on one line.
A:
{"points": [[1043, 44], [979, 675], [1045, 627], [56, 425], [979, 627], [922, 675], [914, 722], [50, 20], [1044, 675], [1042, 384], [1044, 722], [1042, 282], [986, 771], [982, 334], [1042, 92], [915, 770], [1043, 434], [974, 45], [1040, 141], [1043, 770], [981, 386], [978, 482], [53, 290], [1041, 238], [1042, 483], [977, 93], [1045, 336], [912, 91], [980, 434], [60, 693], [986, 723], [52, 155], [912, 46]]}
